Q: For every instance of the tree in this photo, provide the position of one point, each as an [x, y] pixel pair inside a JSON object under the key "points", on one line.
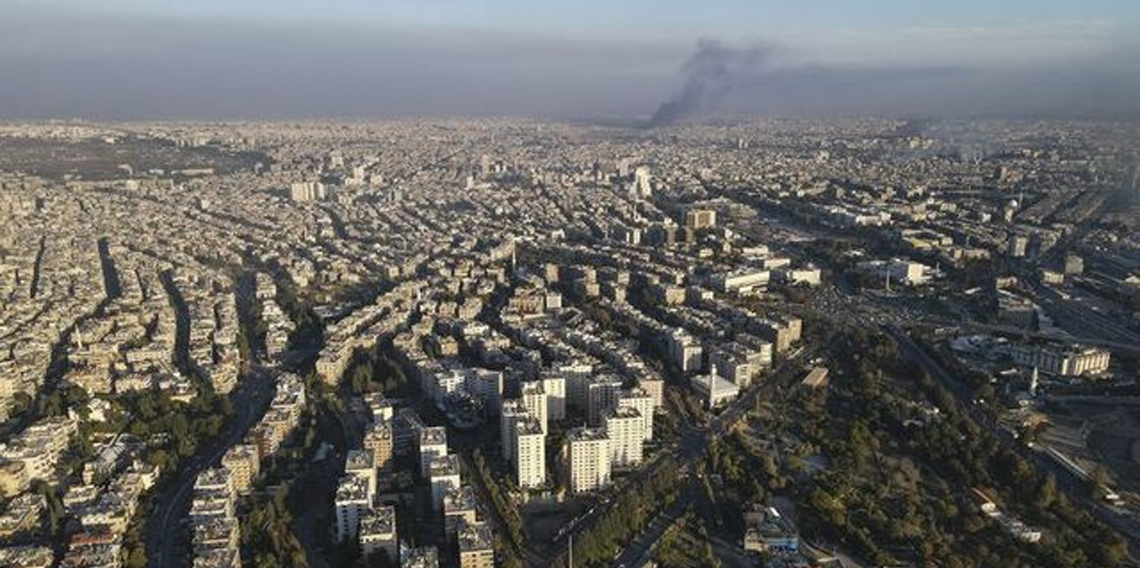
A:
{"points": [[361, 378], [1046, 493], [1099, 482], [136, 558]]}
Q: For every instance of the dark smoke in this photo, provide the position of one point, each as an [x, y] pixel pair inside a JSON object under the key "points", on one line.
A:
{"points": [[710, 74]]}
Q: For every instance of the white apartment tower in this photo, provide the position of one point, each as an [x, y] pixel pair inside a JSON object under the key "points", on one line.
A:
{"points": [[603, 394], [432, 444], [351, 505], [535, 401], [513, 412], [587, 459], [529, 453], [642, 401], [555, 388], [623, 426]]}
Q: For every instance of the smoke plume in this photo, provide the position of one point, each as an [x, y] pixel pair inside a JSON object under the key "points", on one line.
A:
{"points": [[710, 74]]}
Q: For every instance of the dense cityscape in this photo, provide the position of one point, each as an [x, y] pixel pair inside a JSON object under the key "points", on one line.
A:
{"points": [[515, 342]]}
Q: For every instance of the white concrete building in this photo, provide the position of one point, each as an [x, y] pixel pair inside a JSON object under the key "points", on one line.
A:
{"points": [[714, 390], [603, 394], [529, 453], [351, 505], [639, 399], [587, 459], [432, 444], [555, 388], [624, 428], [378, 533], [513, 412], [535, 401], [444, 475]]}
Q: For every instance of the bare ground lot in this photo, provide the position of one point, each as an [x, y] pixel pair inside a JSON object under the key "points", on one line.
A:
{"points": [[95, 159]]}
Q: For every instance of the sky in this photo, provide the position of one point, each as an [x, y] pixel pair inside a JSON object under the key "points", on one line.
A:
{"points": [[144, 59]]}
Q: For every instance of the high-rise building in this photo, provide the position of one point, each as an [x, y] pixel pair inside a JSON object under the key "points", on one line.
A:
{"points": [[308, 191], [534, 399], [642, 182], [623, 427], [351, 505], [378, 441], [214, 524], [655, 386], [487, 385], [242, 460], [378, 533], [529, 453], [699, 218], [578, 378], [639, 399], [459, 503], [587, 459], [513, 411], [444, 476], [432, 444], [359, 463], [685, 351], [554, 385], [603, 394]]}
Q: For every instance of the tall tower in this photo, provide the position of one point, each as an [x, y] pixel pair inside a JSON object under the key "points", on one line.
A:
{"points": [[642, 182]]}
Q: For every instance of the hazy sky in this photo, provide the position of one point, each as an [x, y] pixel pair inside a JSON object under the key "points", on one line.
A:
{"points": [[288, 58]]}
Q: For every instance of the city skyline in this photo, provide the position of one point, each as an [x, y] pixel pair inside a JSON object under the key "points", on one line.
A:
{"points": [[636, 284]]}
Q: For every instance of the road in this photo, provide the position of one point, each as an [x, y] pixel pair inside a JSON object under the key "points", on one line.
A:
{"points": [[163, 533], [318, 487], [692, 446]]}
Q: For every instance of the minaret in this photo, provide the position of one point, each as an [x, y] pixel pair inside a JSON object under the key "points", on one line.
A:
{"points": [[1033, 383]]}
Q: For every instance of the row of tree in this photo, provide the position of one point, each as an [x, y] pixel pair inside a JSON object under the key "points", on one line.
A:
{"points": [[630, 513]]}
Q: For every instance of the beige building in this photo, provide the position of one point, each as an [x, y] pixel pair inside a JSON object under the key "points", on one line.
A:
{"points": [[243, 462], [698, 218], [474, 541], [1062, 360], [378, 441]]}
